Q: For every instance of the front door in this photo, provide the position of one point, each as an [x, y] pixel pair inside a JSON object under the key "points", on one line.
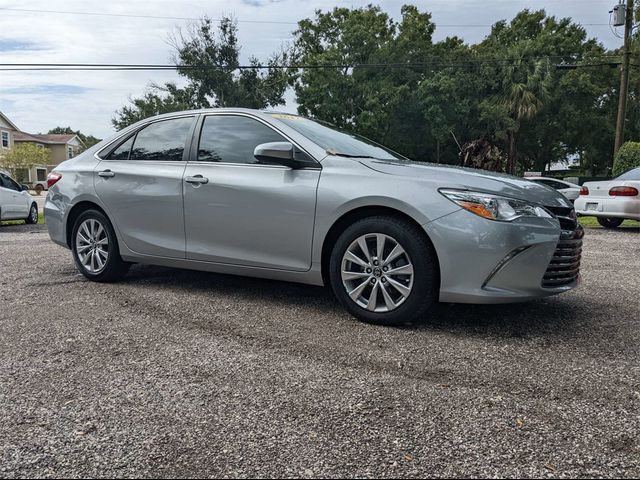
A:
{"points": [[13, 203], [242, 212], [140, 183]]}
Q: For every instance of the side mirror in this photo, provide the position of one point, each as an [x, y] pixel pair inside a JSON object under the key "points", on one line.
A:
{"points": [[276, 153]]}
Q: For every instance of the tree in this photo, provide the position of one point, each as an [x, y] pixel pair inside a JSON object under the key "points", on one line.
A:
{"points": [[158, 99], [88, 140], [525, 89], [218, 80], [23, 156]]}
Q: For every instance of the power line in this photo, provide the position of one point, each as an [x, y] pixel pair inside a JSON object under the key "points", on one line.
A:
{"points": [[433, 63], [277, 22]]}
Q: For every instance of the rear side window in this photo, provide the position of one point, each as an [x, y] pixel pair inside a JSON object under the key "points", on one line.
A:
{"points": [[164, 140], [232, 139], [122, 152]]}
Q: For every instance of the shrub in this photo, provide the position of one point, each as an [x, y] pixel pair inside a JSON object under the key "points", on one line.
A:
{"points": [[628, 157]]}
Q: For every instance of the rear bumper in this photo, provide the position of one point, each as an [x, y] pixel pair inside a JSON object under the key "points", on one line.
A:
{"points": [[494, 262], [614, 207], [55, 221]]}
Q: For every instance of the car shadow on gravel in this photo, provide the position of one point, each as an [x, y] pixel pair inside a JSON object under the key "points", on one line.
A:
{"points": [[551, 316]]}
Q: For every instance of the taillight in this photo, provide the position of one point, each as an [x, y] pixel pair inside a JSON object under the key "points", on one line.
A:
{"points": [[584, 191], [52, 179], [623, 192]]}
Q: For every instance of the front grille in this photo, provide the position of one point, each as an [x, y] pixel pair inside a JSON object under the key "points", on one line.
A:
{"points": [[566, 216], [564, 267]]}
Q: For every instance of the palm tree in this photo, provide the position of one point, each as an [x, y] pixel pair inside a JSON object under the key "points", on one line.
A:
{"points": [[525, 89]]}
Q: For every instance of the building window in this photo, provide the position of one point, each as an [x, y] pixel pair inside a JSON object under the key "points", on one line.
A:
{"points": [[5, 139], [69, 152], [41, 174]]}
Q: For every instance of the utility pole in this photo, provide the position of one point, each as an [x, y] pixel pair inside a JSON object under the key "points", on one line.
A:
{"points": [[624, 77]]}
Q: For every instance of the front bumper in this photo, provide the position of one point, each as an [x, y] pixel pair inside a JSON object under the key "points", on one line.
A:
{"points": [[483, 261]]}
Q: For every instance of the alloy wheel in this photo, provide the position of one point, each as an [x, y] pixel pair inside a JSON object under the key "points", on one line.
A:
{"points": [[377, 272], [92, 245]]}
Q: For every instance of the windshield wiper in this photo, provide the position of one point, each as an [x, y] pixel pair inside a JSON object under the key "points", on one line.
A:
{"points": [[347, 155]]}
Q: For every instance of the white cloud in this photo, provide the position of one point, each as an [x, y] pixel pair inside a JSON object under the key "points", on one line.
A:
{"points": [[103, 39]]}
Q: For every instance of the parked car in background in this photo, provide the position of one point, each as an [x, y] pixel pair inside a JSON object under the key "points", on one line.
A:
{"points": [[569, 190], [612, 201], [284, 197], [15, 201], [40, 186]]}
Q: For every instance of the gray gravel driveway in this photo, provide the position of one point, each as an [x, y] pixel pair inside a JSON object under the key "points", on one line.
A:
{"points": [[177, 373]]}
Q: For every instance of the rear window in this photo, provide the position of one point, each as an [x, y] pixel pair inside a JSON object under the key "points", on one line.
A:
{"points": [[630, 175]]}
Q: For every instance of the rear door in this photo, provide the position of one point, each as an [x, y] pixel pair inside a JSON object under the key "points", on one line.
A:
{"points": [[140, 182], [244, 212]]}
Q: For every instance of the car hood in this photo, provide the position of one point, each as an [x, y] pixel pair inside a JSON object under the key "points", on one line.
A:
{"points": [[447, 176]]}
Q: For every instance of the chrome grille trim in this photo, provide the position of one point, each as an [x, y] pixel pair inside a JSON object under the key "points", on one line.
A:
{"points": [[564, 267]]}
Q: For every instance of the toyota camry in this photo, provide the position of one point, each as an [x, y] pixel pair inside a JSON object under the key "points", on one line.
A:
{"points": [[284, 197]]}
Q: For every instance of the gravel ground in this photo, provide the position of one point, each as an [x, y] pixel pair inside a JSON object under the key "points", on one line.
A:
{"points": [[176, 373]]}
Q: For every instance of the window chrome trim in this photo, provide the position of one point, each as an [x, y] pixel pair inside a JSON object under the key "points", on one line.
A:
{"points": [[128, 134]]}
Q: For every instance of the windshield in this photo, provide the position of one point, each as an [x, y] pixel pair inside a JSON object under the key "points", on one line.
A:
{"points": [[630, 175], [335, 140]]}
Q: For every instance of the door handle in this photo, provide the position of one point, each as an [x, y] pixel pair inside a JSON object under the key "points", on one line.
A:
{"points": [[106, 174], [197, 180]]}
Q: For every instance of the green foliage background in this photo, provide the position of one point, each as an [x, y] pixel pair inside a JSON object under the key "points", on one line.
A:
{"points": [[627, 157], [431, 95]]}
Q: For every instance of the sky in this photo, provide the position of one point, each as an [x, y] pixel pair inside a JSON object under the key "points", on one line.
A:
{"points": [[39, 101]]}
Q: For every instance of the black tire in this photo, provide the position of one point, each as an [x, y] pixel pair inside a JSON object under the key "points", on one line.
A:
{"points": [[114, 268], [610, 222], [38, 188], [424, 292], [32, 219]]}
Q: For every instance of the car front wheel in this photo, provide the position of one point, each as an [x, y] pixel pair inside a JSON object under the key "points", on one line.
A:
{"points": [[610, 222], [95, 248], [384, 271]]}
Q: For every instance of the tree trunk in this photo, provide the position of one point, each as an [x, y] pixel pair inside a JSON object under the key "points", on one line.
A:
{"points": [[437, 151], [511, 158]]}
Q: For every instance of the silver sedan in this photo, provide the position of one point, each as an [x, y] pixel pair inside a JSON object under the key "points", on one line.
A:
{"points": [[284, 197]]}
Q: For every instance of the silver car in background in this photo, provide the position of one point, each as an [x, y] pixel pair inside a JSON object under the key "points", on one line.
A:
{"points": [[283, 197], [568, 189]]}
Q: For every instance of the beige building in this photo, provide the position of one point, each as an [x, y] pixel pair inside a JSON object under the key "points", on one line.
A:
{"points": [[60, 148]]}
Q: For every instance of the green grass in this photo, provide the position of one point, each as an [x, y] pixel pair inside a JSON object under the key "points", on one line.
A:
{"points": [[21, 222], [593, 222]]}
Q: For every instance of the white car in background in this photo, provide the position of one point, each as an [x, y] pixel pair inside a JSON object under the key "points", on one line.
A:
{"points": [[15, 201], [612, 201], [569, 190]]}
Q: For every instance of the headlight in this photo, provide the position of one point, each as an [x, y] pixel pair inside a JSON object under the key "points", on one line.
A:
{"points": [[494, 207]]}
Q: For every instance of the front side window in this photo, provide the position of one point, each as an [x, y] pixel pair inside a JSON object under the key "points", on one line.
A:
{"points": [[5, 139], [164, 140], [7, 182], [232, 139]]}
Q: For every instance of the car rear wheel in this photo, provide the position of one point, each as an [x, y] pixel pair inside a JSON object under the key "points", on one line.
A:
{"points": [[32, 219], [383, 270], [610, 222], [95, 248], [39, 188]]}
